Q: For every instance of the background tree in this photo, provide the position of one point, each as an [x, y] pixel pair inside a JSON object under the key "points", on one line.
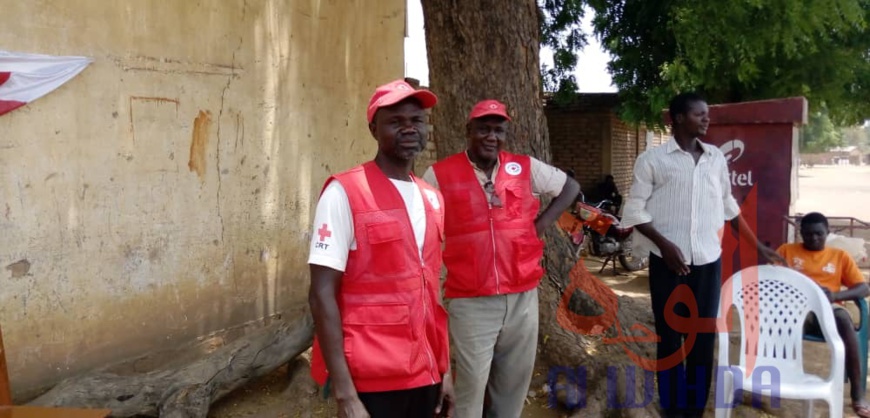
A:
{"points": [[559, 23], [858, 136], [485, 49], [733, 51], [489, 49], [820, 134]]}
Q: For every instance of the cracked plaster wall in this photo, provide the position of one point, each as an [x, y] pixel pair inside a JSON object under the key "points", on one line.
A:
{"points": [[167, 191]]}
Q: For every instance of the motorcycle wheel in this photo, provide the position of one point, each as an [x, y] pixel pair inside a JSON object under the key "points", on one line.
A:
{"points": [[630, 261], [633, 263]]}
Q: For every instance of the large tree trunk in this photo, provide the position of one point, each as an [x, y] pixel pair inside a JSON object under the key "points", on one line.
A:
{"points": [[189, 391], [485, 49], [489, 49], [585, 324]]}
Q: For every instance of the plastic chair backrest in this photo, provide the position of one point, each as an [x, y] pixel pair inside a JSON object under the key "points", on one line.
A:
{"points": [[773, 303]]}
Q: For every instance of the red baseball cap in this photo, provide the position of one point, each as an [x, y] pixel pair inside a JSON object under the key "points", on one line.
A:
{"points": [[396, 91], [489, 108]]}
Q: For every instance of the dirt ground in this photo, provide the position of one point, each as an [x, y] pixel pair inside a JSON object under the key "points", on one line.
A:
{"points": [[839, 191], [835, 191], [290, 393]]}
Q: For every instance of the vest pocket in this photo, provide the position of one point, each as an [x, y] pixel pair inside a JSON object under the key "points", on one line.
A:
{"points": [[462, 268], [378, 340], [528, 252], [514, 200], [388, 247], [464, 199]]}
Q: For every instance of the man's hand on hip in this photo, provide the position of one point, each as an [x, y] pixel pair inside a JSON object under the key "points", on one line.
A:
{"points": [[540, 227]]}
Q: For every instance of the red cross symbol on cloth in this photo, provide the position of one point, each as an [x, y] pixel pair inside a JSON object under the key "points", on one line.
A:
{"points": [[324, 232]]}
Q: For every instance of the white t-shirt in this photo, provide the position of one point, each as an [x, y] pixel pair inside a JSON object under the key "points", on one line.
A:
{"points": [[333, 236]]}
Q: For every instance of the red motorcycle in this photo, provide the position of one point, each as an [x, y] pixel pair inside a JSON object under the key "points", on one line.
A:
{"points": [[596, 229]]}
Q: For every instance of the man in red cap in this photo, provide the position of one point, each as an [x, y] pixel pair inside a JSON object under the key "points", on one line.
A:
{"points": [[493, 256], [381, 331]]}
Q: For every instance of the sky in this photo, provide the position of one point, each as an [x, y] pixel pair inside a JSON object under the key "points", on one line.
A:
{"points": [[593, 78]]}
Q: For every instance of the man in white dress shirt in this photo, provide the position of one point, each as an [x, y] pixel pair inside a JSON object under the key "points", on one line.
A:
{"points": [[679, 201]]}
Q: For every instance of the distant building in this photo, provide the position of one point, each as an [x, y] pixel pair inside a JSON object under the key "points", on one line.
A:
{"points": [[587, 136], [850, 155]]}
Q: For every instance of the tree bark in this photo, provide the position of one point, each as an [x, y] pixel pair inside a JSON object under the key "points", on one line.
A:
{"points": [[485, 49], [489, 49], [581, 322], [189, 391]]}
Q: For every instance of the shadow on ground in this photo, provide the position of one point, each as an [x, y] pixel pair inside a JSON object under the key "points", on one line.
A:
{"points": [[289, 391]]}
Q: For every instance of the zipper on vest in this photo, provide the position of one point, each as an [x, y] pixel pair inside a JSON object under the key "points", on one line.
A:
{"points": [[425, 306], [494, 256], [423, 288]]}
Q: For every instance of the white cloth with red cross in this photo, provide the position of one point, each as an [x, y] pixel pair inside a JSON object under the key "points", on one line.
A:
{"points": [[333, 234]]}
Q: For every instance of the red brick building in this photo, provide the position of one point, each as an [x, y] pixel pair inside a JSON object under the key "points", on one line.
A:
{"points": [[588, 137]]}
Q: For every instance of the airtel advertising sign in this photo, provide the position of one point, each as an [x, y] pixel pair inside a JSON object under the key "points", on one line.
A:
{"points": [[759, 141], [733, 150]]}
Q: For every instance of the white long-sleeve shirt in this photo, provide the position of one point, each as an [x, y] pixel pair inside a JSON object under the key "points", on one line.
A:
{"points": [[687, 203]]}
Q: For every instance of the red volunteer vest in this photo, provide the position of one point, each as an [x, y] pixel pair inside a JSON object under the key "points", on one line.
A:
{"points": [[395, 331], [489, 251]]}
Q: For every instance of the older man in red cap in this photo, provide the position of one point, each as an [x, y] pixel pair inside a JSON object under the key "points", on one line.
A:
{"points": [[493, 253], [381, 332]]}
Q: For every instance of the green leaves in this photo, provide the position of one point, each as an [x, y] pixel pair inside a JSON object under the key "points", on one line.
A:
{"points": [[561, 32], [820, 134], [729, 51]]}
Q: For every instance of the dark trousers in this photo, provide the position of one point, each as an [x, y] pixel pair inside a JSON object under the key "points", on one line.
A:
{"points": [[410, 403], [684, 389]]}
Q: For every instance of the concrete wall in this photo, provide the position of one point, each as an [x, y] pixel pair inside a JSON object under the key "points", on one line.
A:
{"points": [[167, 191]]}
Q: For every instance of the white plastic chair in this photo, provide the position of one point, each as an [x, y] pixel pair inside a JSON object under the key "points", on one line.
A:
{"points": [[775, 307]]}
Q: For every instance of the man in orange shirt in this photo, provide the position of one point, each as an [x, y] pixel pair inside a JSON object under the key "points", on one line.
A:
{"points": [[832, 269]]}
